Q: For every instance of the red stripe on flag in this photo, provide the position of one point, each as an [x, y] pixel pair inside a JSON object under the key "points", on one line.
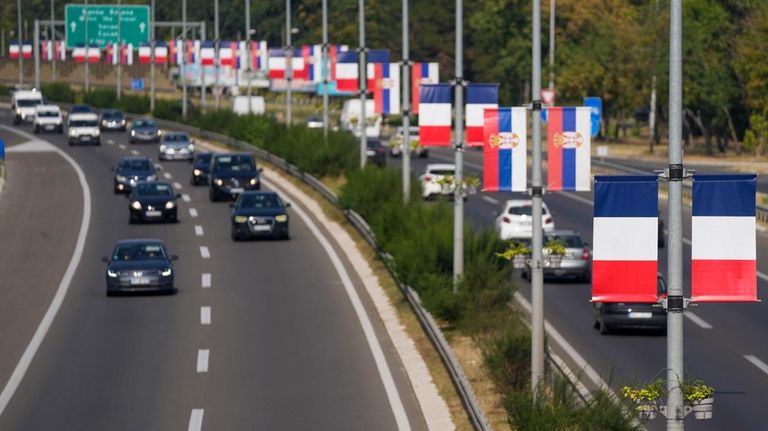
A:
{"points": [[378, 91], [554, 154], [277, 74], [624, 281], [490, 154], [724, 280], [436, 136], [415, 83], [346, 84], [474, 136]]}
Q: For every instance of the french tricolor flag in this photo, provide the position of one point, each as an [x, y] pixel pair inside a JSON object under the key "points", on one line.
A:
{"points": [[78, 53], [569, 132], [176, 51], [14, 50], [435, 115], [504, 149], [277, 63], [386, 93], [145, 53], [227, 54], [161, 52], [312, 55], [347, 71], [723, 239], [94, 54], [259, 55], [625, 232], [26, 50], [111, 54], [422, 73], [47, 50], [479, 97], [207, 53]]}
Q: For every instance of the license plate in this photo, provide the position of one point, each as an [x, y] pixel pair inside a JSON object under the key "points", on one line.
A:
{"points": [[370, 152], [640, 315], [153, 213], [49, 127], [85, 138], [139, 280], [236, 190], [262, 228]]}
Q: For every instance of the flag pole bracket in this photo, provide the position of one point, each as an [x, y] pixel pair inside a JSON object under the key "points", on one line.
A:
{"points": [[675, 303]]}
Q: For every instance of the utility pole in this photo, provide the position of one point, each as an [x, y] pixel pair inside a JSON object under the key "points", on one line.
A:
{"points": [[363, 121], [288, 64], [87, 51], [183, 59], [52, 38], [406, 80], [21, 43], [458, 192], [36, 52], [551, 44], [217, 48], [325, 70], [152, 66], [119, 41], [537, 279], [203, 84], [675, 303], [249, 56]]}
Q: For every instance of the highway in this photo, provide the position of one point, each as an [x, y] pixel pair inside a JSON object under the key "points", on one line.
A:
{"points": [[724, 343], [261, 335]]}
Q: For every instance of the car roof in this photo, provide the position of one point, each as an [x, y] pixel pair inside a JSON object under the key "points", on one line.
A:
{"points": [[521, 203], [47, 108], [441, 166], [111, 111], [233, 154], [27, 94], [139, 241], [176, 134], [258, 192]]}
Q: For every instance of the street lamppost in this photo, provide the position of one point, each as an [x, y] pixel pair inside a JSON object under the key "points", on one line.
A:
{"points": [[249, 55], [406, 109], [288, 63], [18, 38], [458, 198]]}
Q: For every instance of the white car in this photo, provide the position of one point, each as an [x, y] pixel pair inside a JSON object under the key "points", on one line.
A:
{"points": [[432, 178], [83, 128], [23, 103], [48, 118], [396, 143], [515, 220]]}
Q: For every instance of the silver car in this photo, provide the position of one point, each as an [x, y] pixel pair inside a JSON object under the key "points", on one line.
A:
{"points": [[176, 146], [576, 264]]}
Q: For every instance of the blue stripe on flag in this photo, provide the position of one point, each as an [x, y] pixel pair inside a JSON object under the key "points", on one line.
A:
{"points": [[435, 93], [626, 196], [483, 93], [569, 119], [385, 91], [505, 170], [425, 70], [505, 119], [346, 57], [569, 167], [724, 195], [377, 56]]}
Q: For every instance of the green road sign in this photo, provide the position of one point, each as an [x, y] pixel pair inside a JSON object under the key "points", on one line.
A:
{"points": [[103, 24]]}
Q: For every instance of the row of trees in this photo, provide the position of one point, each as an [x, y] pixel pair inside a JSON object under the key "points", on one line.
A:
{"points": [[607, 48]]}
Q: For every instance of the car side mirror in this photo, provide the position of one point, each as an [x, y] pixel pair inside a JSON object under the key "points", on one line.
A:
{"points": [[260, 170], [190, 161], [231, 204], [287, 204], [174, 257], [586, 244], [105, 259], [178, 195]]}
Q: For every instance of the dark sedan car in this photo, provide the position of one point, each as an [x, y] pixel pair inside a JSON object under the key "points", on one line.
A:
{"points": [[259, 215], [232, 174], [153, 201], [610, 316], [376, 152], [132, 170], [112, 119], [139, 265], [144, 130], [200, 167]]}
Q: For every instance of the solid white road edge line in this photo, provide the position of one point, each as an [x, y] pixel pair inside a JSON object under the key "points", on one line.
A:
{"points": [[757, 362], [61, 292], [697, 320], [202, 360], [491, 200], [206, 280], [204, 252], [401, 418], [196, 420], [205, 315], [198, 230], [192, 212]]}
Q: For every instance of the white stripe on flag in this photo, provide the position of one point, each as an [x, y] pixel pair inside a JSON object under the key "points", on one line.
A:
{"points": [[394, 88], [723, 238], [277, 63], [519, 153], [435, 114], [638, 238], [583, 152], [346, 70], [475, 113]]}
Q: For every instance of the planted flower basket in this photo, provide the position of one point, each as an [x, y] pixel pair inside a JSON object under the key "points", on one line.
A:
{"points": [[701, 399], [555, 250], [647, 410], [519, 261], [518, 253], [703, 409]]}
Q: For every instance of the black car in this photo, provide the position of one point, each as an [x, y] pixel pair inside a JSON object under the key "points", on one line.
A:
{"points": [[232, 174], [139, 265], [144, 130], [112, 119], [80, 109], [132, 170], [259, 215], [610, 316], [153, 201], [200, 167], [376, 152]]}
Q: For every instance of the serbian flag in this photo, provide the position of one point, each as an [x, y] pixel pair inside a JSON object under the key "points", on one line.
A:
{"points": [[176, 51], [333, 58], [504, 149], [126, 54], [161, 52], [347, 71], [312, 56], [479, 97], [241, 55], [110, 55], [192, 51], [386, 92], [569, 131], [207, 53], [61, 52], [259, 55], [625, 233], [723, 239], [374, 57], [422, 73], [226, 54], [145, 53], [435, 115], [47, 50], [13, 50], [78, 53], [26, 50]]}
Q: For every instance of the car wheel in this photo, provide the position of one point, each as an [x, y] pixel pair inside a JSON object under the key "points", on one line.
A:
{"points": [[603, 328], [131, 219], [35, 130], [212, 196], [110, 293], [234, 235]]}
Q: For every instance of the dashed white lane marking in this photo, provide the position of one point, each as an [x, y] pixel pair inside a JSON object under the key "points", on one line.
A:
{"points": [[202, 360], [167, 175], [206, 280], [122, 146], [491, 200], [185, 197], [110, 142], [198, 230], [134, 152], [204, 253], [192, 212], [697, 320], [196, 420], [205, 315], [158, 166], [757, 362], [177, 186]]}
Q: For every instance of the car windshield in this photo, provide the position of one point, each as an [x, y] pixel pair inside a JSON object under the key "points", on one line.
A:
{"points": [[442, 172], [373, 143], [139, 251], [259, 200], [144, 123], [80, 108], [203, 159], [47, 114], [83, 123], [525, 210], [176, 137], [234, 164], [28, 102], [153, 189], [570, 241], [136, 165], [112, 115]]}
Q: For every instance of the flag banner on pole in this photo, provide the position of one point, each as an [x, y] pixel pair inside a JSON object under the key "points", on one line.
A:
{"points": [[569, 132], [312, 56], [422, 73], [226, 54], [94, 53], [242, 55], [299, 68], [625, 233], [333, 57], [78, 53], [46, 48], [277, 61], [479, 97], [505, 134], [127, 54], [161, 52], [191, 51], [724, 239], [61, 52], [109, 53], [259, 55], [386, 93], [207, 53], [26, 50], [14, 50], [145, 53], [435, 115], [175, 51], [115, 53], [347, 71], [374, 57]]}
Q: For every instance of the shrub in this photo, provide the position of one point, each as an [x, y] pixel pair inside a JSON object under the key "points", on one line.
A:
{"points": [[136, 104], [58, 92], [101, 98]]}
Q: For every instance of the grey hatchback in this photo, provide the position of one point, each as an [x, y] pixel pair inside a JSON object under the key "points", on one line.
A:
{"points": [[576, 264], [610, 316]]}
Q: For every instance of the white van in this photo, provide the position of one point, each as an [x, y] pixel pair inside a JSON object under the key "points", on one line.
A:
{"points": [[23, 103], [47, 118], [240, 105], [350, 115], [83, 128]]}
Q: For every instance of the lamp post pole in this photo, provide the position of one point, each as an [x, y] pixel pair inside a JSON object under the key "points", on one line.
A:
{"points": [[152, 66], [325, 70], [458, 109], [362, 121], [183, 59], [87, 51], [218, 53], [406, 152], [249, 55], [288, 64], [21, 43], [52, 38], [119, 41]]}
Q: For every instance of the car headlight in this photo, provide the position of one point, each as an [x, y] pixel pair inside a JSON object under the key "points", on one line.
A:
{"points": [[219, 182], [72, 132], [254, 181], [96, 132], [111, 273], [282, 218], [159, 132], [18, 111], [166, 272], [136, 205], [241, 219], [163, 148], [120, 178], [133, 133], [104, 122], [122, 122], [197, 172], [169, 205], [191, 147], [151, 177]]}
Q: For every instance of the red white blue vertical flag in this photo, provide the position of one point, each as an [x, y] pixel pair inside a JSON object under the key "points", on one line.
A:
{"points": [[126, 53], [625, 233], [47, 50], [372, 58], [78, 53], [110, 56], [723, 239], [61, 52], [26, 50], [145, 53], [94, 54], [309, 53], [422, 73], [386, 93], [479, 97], [435, 115], [161, 52], [14, 50], [569, 131], [176, 52], [504, 149], [347, 73], [226, 54], [259, 55], [207, 53]]}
